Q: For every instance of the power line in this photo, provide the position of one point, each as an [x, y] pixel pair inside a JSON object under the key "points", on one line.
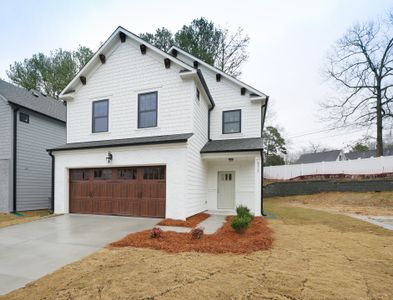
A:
{"points": [[323, 130]]}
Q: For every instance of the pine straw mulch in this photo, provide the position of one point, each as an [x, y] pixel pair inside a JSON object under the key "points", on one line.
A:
{"points": [[257, 237], [189, 222]]}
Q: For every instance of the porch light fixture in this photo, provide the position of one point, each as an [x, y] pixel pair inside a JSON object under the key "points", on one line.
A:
{"points": [[109, 157], [231, 159]]}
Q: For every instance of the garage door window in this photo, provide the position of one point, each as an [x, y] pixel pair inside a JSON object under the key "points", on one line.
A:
{"points": [[127, 174], [103, 174], [154, 173], [80, 175]]}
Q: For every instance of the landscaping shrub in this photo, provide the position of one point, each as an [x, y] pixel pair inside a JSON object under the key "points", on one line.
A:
{"points": [[244, 211], [241, 223], [196, 233], [155, 233]]}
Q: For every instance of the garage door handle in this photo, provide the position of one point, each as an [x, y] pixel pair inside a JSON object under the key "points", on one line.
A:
{"points": [[139, 194], [90, 194]]}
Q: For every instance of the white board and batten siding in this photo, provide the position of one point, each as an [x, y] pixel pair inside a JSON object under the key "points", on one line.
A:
{"points": [[374, 165], [227, 96], [196, 166], [34, 165], [126, 74]]}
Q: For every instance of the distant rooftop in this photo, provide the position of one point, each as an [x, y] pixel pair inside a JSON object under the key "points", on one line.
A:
{"points": [[367, 154], [309, 158]]}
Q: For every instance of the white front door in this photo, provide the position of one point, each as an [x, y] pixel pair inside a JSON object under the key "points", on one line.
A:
{"points": [[226, 190]]}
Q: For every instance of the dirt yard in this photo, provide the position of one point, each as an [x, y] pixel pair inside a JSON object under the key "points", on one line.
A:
{"points": [[316, 255], [11, 219], [374, 204]]}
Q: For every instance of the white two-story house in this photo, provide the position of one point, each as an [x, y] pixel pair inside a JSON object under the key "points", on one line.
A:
{"points": [[157, 134]]}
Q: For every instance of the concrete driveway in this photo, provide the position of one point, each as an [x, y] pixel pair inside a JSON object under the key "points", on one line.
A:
{"points": [[31, 250]]}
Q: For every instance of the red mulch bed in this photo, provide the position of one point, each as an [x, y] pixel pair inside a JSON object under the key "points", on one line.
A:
{"points": [[189, 222], [257, 237]]}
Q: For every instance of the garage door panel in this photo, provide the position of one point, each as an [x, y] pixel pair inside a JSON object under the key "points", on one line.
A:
{"points": [[133, 191]]}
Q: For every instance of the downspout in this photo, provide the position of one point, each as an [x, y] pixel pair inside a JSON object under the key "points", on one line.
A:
{"points": [[14, 165], [208, 122], [52, 199], [263, 116]]}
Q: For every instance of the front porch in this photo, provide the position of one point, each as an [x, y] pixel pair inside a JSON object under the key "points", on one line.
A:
{"points": [[233, 179]]}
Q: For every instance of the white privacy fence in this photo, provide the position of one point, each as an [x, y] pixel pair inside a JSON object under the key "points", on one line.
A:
{"points": [[368, 166]]}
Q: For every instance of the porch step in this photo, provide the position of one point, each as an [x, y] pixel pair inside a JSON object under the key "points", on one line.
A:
{"points": [[226, 212], [212, 223]]}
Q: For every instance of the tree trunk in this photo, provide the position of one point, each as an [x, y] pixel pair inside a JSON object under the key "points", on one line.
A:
{"points": [[379, 123]]}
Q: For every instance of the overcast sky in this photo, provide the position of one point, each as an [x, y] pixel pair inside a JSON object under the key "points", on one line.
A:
{"points": [[288, 44]]}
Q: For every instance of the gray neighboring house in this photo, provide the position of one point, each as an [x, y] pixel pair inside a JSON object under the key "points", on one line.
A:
{"points": [[30, 123], [333, 155], [367, 154]]}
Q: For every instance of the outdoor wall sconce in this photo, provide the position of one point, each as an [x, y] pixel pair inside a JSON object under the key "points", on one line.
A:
{"points": [[231, 159], [109, 157]]}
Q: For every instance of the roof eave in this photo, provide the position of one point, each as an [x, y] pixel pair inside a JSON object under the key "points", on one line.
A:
{"points": [[95, 57], [214, 69]]}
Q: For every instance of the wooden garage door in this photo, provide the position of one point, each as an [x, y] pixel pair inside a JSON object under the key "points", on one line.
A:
{"points": [[131, 191]]}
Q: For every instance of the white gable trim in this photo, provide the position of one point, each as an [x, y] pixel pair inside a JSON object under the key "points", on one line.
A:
{"points": [[109, 43], [215, 70]]}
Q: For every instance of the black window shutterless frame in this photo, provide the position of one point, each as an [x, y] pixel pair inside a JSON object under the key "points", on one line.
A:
{"points": [[225, 122], [142, 111], [97, 117]]}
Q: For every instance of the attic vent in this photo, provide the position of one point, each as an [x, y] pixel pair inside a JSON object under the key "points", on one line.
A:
{"points": [[35, 94]]}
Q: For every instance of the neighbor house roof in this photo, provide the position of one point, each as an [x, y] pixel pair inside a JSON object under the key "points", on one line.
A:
{"points": [[33, 100], [367, 154], [233, 145], [308, 158], [161, 139]]}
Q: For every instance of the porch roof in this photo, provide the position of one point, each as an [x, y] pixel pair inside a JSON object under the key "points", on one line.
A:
{"points": [[233, 145]]}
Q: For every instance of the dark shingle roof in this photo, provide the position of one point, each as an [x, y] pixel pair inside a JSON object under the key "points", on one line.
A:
{"points": [[41, 104], [308, 158], [367, 154], [161, 139], [233, 145]]}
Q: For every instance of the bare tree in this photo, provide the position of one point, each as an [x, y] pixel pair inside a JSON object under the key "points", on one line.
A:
{"points": [[232, 51], [361, 65]]}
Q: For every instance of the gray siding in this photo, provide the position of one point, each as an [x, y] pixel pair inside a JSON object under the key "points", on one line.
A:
{"points": [[5, 155], [33, 161]]}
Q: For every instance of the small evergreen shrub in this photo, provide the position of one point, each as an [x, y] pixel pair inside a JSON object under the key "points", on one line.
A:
{"points": [[196, 233], [155, 233], [241, 223], [242, 210]]}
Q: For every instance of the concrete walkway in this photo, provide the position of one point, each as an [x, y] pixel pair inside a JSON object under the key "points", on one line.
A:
{"points": [[382, 221], [31, 250], [210, 225]]}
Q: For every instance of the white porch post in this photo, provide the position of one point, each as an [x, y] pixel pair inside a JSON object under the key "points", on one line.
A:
{"points": [[258, 186]]}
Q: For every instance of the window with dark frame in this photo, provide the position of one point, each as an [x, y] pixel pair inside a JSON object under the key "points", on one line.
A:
{"points": [[147, 110], [100, 116], [197, 94], [24, 117], [154, 173], [231, 121]]}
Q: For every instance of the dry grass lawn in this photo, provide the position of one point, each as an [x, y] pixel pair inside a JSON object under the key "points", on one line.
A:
{"points": [[316, 255], [372, 203], [11, 219]]}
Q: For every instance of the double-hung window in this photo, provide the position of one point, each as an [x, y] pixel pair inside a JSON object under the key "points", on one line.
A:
{"points": [[147, 110], [231, 121], [100, 116]]}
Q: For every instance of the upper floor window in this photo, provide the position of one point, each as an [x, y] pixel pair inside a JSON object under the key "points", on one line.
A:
{"points": [[100, 116], [24, 117], [147, 110], [231, 121]]}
